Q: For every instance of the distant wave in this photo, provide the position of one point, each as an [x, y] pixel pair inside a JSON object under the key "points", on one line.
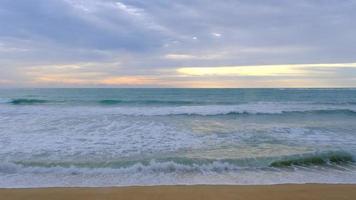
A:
{"points": [[27, 101], [298, 106], [145, 102], [219, 110], [105, 102], [171, 108], [335, 103], [171, 165]]}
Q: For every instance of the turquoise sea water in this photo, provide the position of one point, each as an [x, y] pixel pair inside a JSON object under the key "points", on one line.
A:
{"points": [[106, 137]]}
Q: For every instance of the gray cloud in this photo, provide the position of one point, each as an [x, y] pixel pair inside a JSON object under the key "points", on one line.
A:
{"points": [[146, 37]]}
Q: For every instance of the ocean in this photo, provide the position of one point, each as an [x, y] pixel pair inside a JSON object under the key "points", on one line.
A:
{"points": [[121, 137]]}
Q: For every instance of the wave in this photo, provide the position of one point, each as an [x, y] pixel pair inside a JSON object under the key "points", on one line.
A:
{"points": [[104, 102], [336, 111], [329, 158], [3, 100], [343, 103], [145, 102], [27, 101], [168, 108], [152, 166], [242, 110], [181, 165]]}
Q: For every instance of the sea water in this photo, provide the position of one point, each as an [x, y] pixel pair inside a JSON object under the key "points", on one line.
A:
{"points": [[120, 137]]}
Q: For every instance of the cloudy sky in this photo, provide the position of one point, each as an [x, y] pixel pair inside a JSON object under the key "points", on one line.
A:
{"points": [[181, 43]]}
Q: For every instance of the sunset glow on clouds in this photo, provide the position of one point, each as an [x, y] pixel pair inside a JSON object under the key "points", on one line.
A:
{"points": [[133, 43], [262, 70]]}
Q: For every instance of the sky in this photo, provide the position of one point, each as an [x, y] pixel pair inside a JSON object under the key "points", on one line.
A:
{"points": [[181, 43]]}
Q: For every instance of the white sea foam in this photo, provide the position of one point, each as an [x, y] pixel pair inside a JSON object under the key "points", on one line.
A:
{"points": [[166, 172], [205, 110], [4, 100], [255, 108], [67, 136], [65, 133], [151, 167], [72, 177]]}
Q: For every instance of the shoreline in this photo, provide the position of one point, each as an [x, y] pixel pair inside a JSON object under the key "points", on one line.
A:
{"points": [[175, 192]]}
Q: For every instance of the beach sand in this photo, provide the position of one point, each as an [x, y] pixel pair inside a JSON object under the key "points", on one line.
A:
{"points": [[206, 192]]}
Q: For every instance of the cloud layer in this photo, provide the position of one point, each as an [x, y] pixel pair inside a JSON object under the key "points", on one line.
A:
{"points": [[99, 43]]}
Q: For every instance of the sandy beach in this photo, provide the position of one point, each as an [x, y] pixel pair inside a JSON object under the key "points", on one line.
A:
{"points": [[267, 192]]}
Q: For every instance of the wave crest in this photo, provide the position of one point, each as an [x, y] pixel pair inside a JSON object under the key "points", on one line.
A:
{"points": [[181, 165], [145, 102], [318, 159]]}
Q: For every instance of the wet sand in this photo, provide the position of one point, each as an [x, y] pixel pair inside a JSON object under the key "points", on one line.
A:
{"points": [[206, 192]]}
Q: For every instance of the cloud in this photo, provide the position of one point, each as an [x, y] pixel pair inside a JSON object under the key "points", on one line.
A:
{"points": [[92, 81], [263, 70], [216, 34], [194, 57], [151, 37], [129, 9], [283, 75]]}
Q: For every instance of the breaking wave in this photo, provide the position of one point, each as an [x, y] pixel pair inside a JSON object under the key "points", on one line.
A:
{"points": [[329, 158], [145, 102], [177, 165], [243, 109]]}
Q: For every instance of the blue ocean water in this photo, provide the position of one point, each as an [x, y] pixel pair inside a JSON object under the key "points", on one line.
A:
{"points": [[110, 137]]}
